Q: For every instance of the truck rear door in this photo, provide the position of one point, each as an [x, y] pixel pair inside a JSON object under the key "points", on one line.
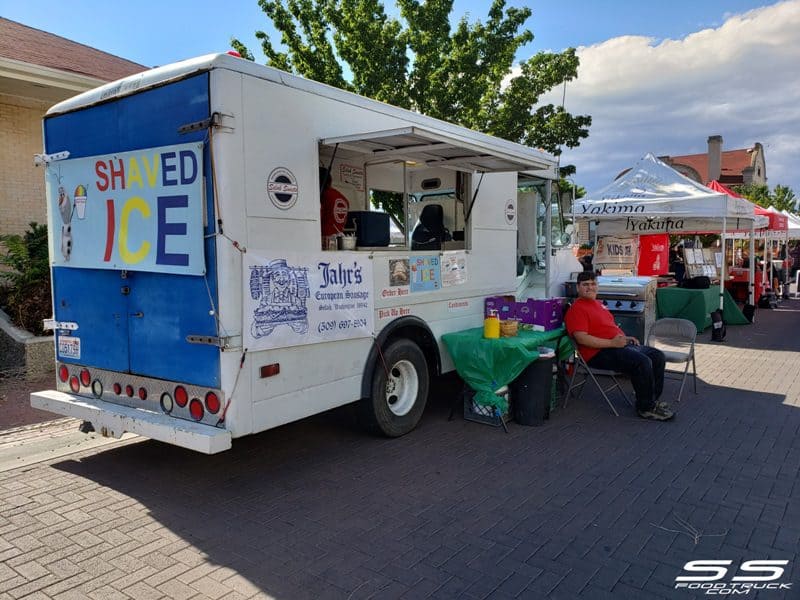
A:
{"points": [[129, 318]]}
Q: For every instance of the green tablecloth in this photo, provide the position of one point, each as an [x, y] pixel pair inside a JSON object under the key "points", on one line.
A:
{"points": [[487, 365], [697, 305]]}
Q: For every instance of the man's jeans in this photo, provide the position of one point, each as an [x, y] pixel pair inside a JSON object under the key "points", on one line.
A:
{"points": [[643, 364]]}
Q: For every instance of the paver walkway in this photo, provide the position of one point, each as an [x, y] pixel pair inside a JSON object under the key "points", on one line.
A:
{"points": [[588, 506]]}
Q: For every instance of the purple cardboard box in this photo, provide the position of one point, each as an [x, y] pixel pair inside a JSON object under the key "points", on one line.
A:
{"points": [[548, 313], [504, 305], [526, 311]]}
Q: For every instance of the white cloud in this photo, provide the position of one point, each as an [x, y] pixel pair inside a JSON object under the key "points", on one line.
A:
{"points": [[740, 80]]}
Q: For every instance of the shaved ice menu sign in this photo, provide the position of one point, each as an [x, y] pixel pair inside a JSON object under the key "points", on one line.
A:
{"points": [[137, 211]]}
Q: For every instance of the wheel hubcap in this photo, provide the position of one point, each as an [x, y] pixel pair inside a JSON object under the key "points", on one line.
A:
{"points": [[402, 386]]}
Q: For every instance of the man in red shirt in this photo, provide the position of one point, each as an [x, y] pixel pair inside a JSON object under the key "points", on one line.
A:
{"points": [[333, 209], [605, 346]]}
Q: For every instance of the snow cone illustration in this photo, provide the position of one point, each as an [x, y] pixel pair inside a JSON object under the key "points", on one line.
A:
{"points": [[79, 197]]}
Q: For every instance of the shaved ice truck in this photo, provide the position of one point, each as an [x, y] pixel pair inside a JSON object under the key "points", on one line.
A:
{"points": [[195, 299]]}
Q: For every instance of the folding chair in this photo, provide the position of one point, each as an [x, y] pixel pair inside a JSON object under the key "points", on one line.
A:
{"points": [[590, 373], [675, 338]]}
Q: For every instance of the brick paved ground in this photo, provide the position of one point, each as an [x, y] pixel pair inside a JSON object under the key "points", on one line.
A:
{"points": [[15, 404], [588, 506]]}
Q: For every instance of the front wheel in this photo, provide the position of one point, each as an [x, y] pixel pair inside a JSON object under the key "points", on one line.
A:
{"points": [[399, 390]]}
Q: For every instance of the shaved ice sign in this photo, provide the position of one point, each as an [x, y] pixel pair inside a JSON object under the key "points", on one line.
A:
{"points": [[137, 211]]}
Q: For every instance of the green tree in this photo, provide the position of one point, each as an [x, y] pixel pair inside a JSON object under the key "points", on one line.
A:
{"points": [[25, 277], [462, 75], [782, 197]]}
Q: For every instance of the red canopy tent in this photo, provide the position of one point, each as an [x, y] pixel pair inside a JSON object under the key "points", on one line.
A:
{"points": [[777, 229], [777, 221]]}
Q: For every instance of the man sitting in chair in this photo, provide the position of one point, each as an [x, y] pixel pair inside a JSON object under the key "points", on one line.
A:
{"points": [[603, 345]]}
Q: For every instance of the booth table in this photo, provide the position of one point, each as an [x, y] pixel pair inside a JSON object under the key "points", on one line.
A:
{"points": [[697, 306], [488, 364], [739, 287]]}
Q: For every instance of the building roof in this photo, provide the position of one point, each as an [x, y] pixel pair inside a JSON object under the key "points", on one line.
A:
{"points": [[28, 45], [733, 163]]}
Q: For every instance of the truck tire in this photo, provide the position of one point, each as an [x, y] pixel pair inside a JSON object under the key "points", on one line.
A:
{"points": [[398, 396]]}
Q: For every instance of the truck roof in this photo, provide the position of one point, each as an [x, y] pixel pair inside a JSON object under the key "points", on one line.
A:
{"points": [[519, 157]]}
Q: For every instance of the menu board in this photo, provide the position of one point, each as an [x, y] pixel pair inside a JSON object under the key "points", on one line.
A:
{"points": [[702, 262]]}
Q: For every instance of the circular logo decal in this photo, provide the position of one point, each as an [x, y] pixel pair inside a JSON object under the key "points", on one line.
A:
{"points": [[282, 188], [511, 211], [340, 211]]}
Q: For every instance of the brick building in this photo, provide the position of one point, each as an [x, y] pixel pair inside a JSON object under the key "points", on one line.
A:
{"points": [[730, 167], [38, 69]]}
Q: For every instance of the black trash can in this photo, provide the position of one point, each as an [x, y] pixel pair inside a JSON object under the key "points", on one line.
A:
{"points": [[530, 392]]}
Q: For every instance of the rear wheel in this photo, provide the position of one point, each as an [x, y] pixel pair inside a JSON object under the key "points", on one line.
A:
{"points": [[399, 390]]}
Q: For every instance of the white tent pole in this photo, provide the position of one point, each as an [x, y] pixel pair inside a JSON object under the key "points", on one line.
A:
{"points": [[548, 244], [722, 269], [785, 263], [751, 267]]}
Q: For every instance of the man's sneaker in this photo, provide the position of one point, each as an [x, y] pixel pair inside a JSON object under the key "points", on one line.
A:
{"points": [[657, 413]]}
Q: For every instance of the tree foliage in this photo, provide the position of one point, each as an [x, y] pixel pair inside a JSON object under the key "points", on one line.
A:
{"points": [[782, 197], [25, 293], [462, 74]]}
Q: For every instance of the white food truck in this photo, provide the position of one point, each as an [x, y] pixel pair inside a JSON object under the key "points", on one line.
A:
{"points": [[195, 299]]}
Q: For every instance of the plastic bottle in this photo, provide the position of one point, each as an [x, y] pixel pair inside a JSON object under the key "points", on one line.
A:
{"points": [[491, 326]]}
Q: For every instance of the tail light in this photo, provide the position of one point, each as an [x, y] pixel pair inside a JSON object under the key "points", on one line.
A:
{"points": [[117, 389], [63, 373], [74, 384], [142, 394], [166, 402], [129, 391], [196, 409], [97, 388], [181, 396], [212, 403], [86, 378]]}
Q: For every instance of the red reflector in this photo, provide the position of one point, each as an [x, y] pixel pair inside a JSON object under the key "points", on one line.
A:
{"points": [[212, 403], [234, 53], [86, 379], [117, 389], [142, 394], [196, 409], [74, 384], [181, 397], [270, 370], [129, 391], [63, 373]]}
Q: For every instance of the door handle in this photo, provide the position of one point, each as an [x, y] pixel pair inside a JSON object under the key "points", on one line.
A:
{"points": [[138, 315]]}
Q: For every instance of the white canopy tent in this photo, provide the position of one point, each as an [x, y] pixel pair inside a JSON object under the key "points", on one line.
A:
{"points": [[794, 224], [652, 197]]}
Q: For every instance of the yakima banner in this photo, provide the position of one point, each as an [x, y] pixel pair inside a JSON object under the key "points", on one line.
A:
{"points": [[652, 197], [138, 211], [294, 299]]}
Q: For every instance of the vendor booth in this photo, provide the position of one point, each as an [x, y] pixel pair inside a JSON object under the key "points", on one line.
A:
{"points": [[653, 198], [771, 230]]}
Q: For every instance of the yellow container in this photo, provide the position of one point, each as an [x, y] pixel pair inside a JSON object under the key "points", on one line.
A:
{"points": [[491, 326]]}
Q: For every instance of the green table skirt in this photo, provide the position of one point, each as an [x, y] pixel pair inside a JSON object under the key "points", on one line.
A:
{"points": [[697, 306], [487, 365]]}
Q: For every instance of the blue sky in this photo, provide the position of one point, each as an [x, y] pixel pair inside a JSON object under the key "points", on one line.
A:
{"points": [[655, 76], [155, 33]]}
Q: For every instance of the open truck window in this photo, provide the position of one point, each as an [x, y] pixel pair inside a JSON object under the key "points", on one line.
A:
{"points": [[397, 198]]}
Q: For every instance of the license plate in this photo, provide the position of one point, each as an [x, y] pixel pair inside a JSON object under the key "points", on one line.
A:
{"points": [[69, 347]]}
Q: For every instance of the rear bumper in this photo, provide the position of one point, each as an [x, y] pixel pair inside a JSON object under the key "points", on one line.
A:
{"points": [[112, 420]]}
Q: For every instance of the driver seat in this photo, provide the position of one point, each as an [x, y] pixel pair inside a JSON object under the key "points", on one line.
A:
{"points": [[430, 232]]}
